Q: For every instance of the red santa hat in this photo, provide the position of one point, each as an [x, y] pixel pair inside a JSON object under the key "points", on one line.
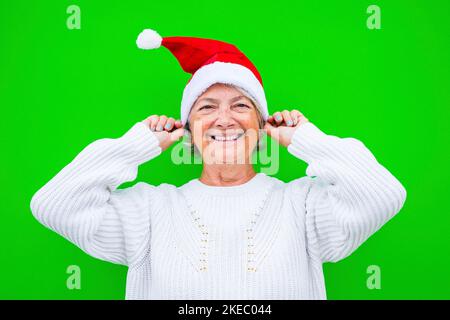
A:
{"points": [[209, 61]]}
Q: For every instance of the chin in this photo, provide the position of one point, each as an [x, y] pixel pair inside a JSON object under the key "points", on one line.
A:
{"points": [[225, 155]]}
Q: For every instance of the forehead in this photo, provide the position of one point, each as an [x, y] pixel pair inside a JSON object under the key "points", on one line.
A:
{"points": [[220, 90]]}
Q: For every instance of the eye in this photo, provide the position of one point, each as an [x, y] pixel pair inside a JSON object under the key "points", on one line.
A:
{"points": [[242, 105], [205, 107]]}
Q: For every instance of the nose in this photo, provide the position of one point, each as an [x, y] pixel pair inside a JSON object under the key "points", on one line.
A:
{"points": [[225, 119]]}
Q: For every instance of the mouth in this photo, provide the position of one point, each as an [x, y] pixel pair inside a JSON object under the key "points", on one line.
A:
{"points": [[226, 138]]}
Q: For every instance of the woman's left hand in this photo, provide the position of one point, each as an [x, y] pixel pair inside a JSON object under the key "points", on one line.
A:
{"points": [[282, 125]]}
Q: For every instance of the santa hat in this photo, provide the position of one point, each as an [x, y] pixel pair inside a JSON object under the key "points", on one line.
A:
{"points": [[209, 61]]}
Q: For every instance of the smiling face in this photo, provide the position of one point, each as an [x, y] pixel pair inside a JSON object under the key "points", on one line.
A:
{"points": [[224, 124]]}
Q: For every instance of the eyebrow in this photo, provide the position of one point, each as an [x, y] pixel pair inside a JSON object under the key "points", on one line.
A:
{"points": [[209, 99], [237, 98], [217, 101]]}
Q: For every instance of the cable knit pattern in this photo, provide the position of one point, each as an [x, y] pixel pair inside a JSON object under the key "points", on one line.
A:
{"points": [[264, 239]]}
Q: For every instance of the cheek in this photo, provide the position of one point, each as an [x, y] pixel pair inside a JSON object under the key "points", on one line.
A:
{"points": [[250, 123], [199, 129], [249, 119], [253, 130]]}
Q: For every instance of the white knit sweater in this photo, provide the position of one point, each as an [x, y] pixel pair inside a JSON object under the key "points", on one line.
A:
{"points": [[264, 239]]}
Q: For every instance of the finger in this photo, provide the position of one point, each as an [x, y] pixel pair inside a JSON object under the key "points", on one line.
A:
{"points": [[278, 117], [270, 119], [178, 124], [176, 134], [169, 124], [287, 118], [269, 128], [295, 115], [153, 121], [272, 131], [300, 118], [161, 123], [148, 120]]}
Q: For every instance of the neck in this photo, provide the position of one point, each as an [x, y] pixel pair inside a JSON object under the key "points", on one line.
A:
{"points": [[227, 175]]}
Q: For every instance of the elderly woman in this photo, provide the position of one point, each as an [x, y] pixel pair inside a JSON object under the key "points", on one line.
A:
{"points": [[232, 233]]}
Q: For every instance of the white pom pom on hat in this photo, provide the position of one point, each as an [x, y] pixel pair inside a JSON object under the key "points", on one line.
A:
{"points": [[149, 39], [209, 61]]}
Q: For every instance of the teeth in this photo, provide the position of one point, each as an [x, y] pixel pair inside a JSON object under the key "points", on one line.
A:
{"points": [[228, 138]]}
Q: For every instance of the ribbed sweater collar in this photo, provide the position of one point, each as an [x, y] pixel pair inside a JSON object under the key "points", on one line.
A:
{"points": [[257, 183]]}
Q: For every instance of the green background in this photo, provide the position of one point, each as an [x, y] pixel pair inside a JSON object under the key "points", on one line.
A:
{"points": [[61, 89]]}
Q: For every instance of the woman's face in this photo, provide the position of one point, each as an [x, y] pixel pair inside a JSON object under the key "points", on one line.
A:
{"points": [[224, 125]]}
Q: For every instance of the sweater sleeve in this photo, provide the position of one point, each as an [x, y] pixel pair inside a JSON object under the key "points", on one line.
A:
{"points": [[350, 195], [82, 202]]}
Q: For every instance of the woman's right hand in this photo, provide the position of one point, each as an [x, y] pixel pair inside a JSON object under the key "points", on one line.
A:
{"points": [[167, 130]]}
